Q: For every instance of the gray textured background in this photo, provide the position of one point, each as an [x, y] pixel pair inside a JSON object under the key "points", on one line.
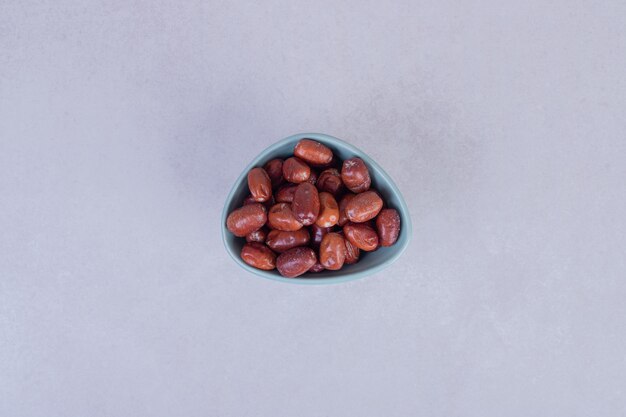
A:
{"points": [[122, 127]]}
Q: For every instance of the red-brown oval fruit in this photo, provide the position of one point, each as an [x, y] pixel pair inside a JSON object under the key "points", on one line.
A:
{"points": [[364, 207], [330, 181], [259, 184], [269, 203], [280, 241], [334, 163], [332, 251], [295, 262], [361, 235], [296, 170], [250, 200], [306, 204], [285, 193], [280, 217], [355, 175], [246, 219], [317, 234], [259, 256], [274, 169], [352, 253], [313, 152], [343, 219], [388, 226], [313, 177], [257, 236], [329, 210], [317, 267]]}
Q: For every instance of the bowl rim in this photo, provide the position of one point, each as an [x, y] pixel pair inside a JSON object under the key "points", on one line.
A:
{"points": [[331, 140]]}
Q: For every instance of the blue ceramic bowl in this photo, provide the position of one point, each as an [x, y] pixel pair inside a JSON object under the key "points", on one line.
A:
{"points": [[369, 262]]}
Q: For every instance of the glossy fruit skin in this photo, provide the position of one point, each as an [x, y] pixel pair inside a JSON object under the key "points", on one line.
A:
{"points": [[352, 253], [313, 152], [313, 177], [355, 175], [259, 256], [246, 219], [257, 236], [320, 217], [295, 170], [317, 267], [306, 204], [274, 169], [317, 234], [285, 193], [332, 252], [388, 226], [330, 181], [281, 241], [343, 218], [361, 235], [329, 210], [248, 200], [364, 207], [260, 185], [280, 217], [267, 204], [295, 261]]}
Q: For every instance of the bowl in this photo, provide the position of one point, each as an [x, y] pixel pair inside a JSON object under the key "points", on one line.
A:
{"points": [[369, 262]]}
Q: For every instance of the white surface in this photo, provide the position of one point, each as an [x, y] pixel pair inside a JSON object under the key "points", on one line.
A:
{"points": [[123, 125]]}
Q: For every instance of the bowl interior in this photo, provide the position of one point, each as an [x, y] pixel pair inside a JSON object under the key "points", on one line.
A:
{"points": [[369, 262]]}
